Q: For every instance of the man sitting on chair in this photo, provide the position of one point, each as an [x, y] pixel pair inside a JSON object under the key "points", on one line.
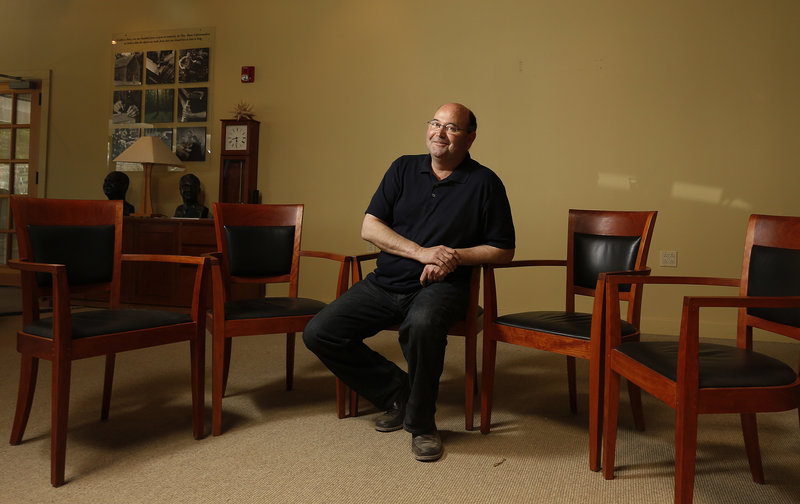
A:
{"points": [[431, 214]]}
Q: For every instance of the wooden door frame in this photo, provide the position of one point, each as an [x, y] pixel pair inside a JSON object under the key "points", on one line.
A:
{"points": [[37, 157]]}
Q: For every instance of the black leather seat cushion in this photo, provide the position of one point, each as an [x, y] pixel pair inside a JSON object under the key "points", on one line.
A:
{"points": [[97, 322], [573, 325], [720, 365], [271, 307]]}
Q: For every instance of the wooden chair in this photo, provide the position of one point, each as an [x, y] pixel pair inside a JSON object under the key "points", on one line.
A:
{"points": [[597, 242], [68, 247], [695, 377], [258, 244], [469, 328]]}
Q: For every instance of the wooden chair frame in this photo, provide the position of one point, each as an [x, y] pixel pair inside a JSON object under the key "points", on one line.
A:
{"points": [[592, 222], [62, 349], [684, 394], [223, 281]]}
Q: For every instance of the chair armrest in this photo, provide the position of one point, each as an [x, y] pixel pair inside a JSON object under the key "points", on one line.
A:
{"points": [[166, 258], [643, 277], [356, 261], [612, 298], [35, 267], [213, 256], [325, 255], [60, 289], [198, 291], [529, 262], [490, 286], [344, 266]]}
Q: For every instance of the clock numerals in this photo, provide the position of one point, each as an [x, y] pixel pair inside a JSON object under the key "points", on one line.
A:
{"points": [[236, 138]]}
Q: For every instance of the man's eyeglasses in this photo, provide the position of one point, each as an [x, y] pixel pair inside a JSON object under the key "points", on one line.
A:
{"points": [[449, 127]]}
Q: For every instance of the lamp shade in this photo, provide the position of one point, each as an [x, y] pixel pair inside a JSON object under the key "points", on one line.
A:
{"points": [[149, 149]]}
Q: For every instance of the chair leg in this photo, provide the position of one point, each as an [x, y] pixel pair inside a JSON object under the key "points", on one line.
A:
{"points": [[610, 417], [108, 382], [635, 398], [487, 383], [750, 432], [685, 451], [341, 391], [573, 392], [59, 413], [470, 382], [290, 339], [197, 351], [596, 377], [353, 403], [226, 364], [27, 385], [220, 354]]}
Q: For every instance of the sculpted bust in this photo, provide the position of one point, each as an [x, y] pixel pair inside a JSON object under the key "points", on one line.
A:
{"points": [[115, 186], [190, 193]]}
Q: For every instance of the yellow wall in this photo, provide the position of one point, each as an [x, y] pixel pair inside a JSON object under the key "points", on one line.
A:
{"points": [[687, 107]]}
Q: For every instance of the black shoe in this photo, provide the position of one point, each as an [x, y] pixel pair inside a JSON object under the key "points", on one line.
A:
{"points": [[392, 420], [427, 447]]}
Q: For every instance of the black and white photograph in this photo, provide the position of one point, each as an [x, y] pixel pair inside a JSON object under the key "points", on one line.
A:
{"points": [[191, 144], [159, 105], [122, 138], [128, 69], [127, 107], [193, 104], [165, 134], [160, 67], [193, 65]]}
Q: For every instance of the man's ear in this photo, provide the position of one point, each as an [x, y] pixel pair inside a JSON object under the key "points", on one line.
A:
{"points": [[470, 139]]}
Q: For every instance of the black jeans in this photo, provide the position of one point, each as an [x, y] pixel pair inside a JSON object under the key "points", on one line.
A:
{"points": [[336, 335]]}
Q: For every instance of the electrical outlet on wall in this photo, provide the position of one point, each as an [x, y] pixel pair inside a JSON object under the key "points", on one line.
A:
{"points": [[668, 258]]}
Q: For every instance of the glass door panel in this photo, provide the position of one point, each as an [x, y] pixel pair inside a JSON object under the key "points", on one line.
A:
{"points": [[23, 109], [19, 137], [5, 108]]}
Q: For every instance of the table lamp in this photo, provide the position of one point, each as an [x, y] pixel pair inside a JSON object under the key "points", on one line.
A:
{"points": [[148, 151]]}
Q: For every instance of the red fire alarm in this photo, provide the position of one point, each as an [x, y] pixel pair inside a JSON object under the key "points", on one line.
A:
{"points": [[248, 74]]}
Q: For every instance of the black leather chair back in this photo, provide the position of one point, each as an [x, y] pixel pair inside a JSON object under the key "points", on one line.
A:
{"points": [[595, 254], [259, 251], [86, 251], [774, 272]]}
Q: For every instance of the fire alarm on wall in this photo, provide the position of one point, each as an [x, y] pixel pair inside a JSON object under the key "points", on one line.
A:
{"points": [[248, 74]]}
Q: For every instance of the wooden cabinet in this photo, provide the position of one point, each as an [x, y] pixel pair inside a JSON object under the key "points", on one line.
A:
{"points": [[164, 284]]}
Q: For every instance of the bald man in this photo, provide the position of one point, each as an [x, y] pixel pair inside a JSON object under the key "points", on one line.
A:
{"points": [[432, 216]]}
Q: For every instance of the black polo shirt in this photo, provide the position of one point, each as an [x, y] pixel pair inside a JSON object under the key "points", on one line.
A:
{"points": [[468, 208]]}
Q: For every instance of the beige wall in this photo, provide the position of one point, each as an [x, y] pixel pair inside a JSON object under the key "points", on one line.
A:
{"points": [[687, 107]]}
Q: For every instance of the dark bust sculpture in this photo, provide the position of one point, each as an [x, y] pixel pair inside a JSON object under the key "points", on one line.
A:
{"points": [[115, 186], [190, 192]]}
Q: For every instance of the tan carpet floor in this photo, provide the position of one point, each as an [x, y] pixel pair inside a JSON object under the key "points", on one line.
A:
{"points": [[289, 447]]}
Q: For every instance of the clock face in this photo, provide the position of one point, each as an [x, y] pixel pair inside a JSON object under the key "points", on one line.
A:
{"points": [[236, 137]]}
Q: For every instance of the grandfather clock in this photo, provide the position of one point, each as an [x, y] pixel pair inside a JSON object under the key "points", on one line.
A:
{"points": [[238, 171]]}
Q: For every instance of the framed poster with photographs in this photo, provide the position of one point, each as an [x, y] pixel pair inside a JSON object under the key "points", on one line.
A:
{"points": [[161, 83], [191, 144], [165, 134], [193, 106], [160, 67], [159, 105], [122, 138]]}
